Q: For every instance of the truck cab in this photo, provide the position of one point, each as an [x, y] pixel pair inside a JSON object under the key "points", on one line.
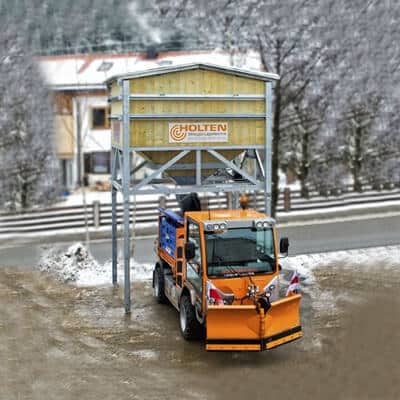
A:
{"points": [[220, 270]]}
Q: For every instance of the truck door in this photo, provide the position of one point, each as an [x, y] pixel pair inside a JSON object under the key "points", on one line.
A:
{"points": [[193, 267]]}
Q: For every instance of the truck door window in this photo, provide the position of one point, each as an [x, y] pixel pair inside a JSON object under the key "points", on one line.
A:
{"points": [[193, 267], [265, 243]]}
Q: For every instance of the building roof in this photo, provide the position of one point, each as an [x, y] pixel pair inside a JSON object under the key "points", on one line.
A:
{"points": [[91, 71], [200, 65]]}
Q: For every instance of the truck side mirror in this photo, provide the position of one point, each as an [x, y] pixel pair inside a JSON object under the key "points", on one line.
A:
{"points": [[284, 245], [190, 250]]}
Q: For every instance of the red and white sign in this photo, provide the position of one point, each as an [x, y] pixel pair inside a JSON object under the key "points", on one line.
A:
{"points": [[189, 132], [293, 285]]}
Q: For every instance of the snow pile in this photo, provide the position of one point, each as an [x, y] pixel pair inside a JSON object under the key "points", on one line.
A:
{"points": [[70, 265], [384, 258], [77, 266]]}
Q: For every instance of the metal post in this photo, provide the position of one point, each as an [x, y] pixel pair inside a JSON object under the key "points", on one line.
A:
{"points": [[79, 141], [268, 147], [198, 167], [229, 200], [126, 173], [114, 249], [235, 200], [162, 202], [286, 199], [96, 214]]}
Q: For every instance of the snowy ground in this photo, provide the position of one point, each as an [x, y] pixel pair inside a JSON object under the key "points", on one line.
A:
{"points": [[76, 342], [78, 267]]}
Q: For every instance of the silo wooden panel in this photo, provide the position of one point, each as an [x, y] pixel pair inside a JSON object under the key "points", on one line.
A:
{"points": [[155, 133], [145, 133], [116, 108], [197, 81], [197, 107], [115, 89]]}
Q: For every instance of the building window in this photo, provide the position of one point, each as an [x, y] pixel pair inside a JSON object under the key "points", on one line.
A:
{"points": [[100, 118], [105, 66], [97, 162]]}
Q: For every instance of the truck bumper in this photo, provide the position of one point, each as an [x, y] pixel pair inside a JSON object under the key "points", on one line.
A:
{"points": [[255, 344], [244, 328]]}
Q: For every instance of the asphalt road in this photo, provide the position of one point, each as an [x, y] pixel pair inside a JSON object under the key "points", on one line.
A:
{"points": [[304, 239], [345, 235]]}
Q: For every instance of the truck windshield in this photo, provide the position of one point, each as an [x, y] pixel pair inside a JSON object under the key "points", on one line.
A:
{"points": [[238, 252]]}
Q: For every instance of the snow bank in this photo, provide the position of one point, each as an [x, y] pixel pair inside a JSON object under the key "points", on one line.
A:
{"points": [[384, 258], [77, 266]]}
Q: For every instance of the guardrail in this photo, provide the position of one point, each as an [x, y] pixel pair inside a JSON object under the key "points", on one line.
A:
{"points": [[98, 215]]}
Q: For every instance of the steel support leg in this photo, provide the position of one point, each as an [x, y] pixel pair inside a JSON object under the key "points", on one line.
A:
{"points": [[126, 180], [127, 256], [114, 248], [268, 148]]}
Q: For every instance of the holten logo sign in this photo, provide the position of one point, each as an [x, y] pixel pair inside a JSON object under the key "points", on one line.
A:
{"points": [[185, 132]]}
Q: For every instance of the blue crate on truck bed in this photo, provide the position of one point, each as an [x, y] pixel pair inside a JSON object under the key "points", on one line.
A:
{"points": [[169, 222]]}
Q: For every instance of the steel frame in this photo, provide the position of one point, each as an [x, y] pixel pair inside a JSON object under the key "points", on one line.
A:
{"points": [[191, 116], [214, 97], [122, 172]]}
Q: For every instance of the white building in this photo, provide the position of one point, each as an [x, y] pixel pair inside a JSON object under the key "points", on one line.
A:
{"points": [[81, 106]]}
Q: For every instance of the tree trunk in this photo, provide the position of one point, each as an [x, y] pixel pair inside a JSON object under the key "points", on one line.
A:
{"points": [[356, 168], [24, 195], [304, 166], [276, 124], [275, 149]]}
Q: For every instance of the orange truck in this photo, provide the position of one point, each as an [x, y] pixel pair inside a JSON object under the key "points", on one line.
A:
{"points": [[220, 270]]}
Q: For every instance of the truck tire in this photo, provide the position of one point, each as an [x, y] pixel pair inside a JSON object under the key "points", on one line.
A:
{"points": [[191, 329], [159, 285]]}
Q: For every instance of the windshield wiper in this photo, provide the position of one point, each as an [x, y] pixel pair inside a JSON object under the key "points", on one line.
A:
{"points": [[267, 258], [222, 262]]}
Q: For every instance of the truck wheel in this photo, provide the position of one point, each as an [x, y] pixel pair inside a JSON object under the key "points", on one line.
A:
{"points": [[159, 285], [190, 328]]}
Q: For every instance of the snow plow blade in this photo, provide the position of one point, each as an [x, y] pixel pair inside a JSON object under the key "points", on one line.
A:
{"points": [[245, 328]]}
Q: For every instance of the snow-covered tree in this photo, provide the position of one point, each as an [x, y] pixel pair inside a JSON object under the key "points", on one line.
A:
{"points": [[28, 168], [354, 128], [300, 145], [289, 37], [368, 76]]}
